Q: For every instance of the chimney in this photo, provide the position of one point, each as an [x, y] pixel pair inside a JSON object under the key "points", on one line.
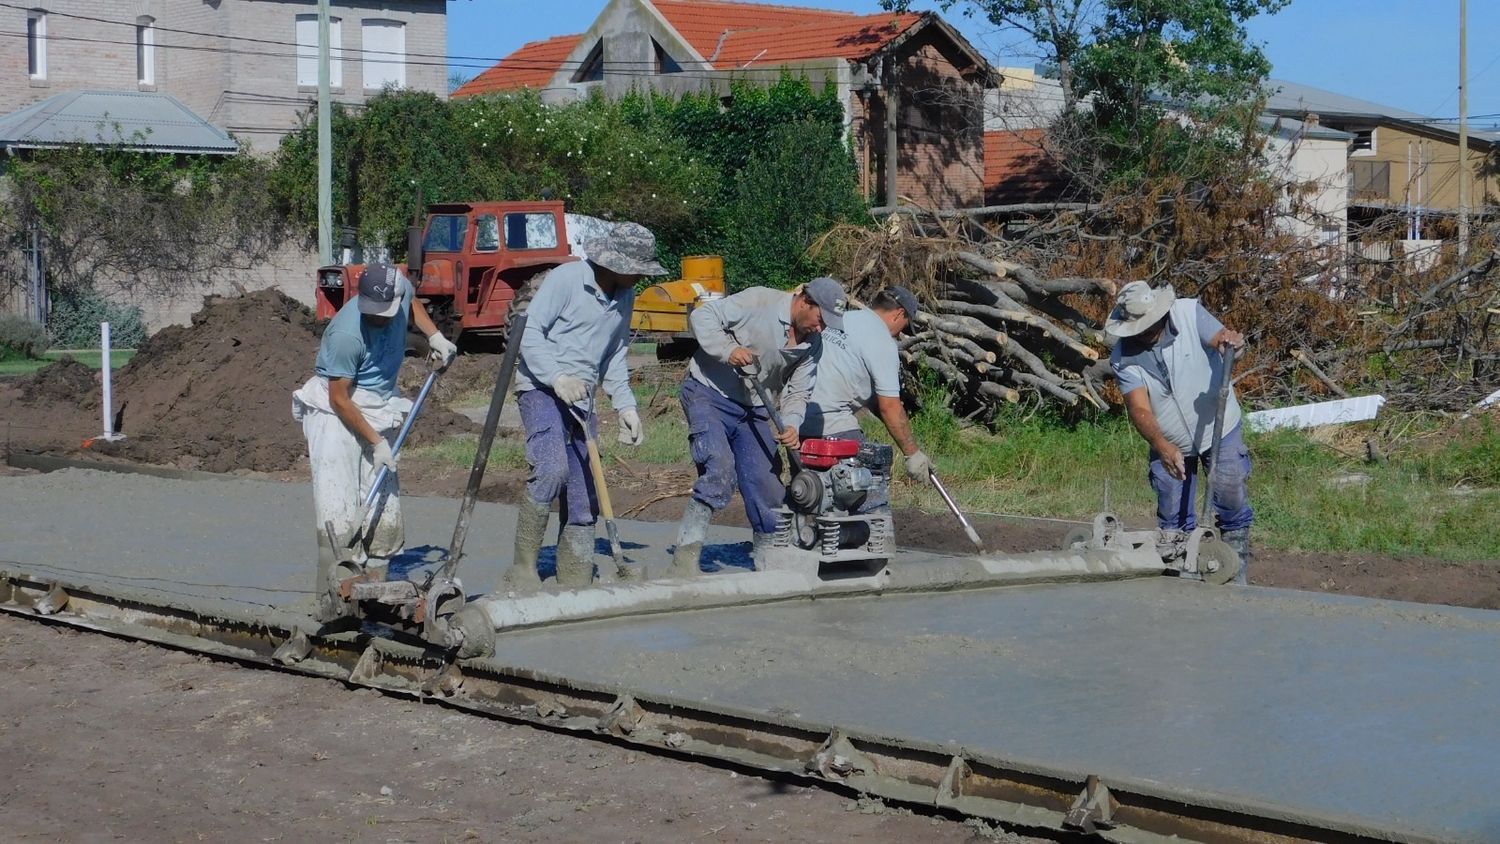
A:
{"points": [[1311, 119]]}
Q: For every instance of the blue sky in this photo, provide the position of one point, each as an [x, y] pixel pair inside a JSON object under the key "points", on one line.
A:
{"points": [[1402, 53]]}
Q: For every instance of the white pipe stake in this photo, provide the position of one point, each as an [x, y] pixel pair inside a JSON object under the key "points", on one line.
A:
{"points": [[109, 406]]}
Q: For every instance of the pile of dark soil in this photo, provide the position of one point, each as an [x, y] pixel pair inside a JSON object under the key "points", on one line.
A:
{"points": [[216, 395], [66, 381]]}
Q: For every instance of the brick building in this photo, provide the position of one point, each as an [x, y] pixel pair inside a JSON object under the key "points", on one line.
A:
{"points": [[907, 77], [248, 66]]}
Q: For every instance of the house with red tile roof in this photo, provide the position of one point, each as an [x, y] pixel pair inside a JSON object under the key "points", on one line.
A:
{"points": [[912, 87]]}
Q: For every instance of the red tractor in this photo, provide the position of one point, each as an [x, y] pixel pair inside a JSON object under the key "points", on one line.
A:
{"points": [[478, 257]]}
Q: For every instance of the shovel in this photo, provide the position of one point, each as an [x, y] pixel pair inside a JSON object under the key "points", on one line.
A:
{"points": [[1223, 401], [606, 508]]}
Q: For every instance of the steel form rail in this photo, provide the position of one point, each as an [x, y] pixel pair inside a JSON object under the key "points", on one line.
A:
{"points": [[1024, 797]]}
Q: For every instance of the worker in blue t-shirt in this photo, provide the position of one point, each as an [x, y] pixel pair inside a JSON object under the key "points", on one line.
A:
{"points": [[351, 411]]}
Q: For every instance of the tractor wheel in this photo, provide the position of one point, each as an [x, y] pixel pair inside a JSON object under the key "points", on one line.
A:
{"points": [[524, 294]]}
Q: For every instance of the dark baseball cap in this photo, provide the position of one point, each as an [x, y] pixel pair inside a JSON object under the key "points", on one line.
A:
{"points": [[379, 290], [828, 294], [906, 299]]}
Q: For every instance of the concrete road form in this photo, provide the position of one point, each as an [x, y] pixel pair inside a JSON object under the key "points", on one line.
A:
{"points": [[1212, 713]]}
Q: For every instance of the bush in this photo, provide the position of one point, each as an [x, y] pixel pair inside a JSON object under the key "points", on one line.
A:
{"points": [[74, 323], [21, 338]]}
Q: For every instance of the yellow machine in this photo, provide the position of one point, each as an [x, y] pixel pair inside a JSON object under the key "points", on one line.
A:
{"points": [[664, 308]]}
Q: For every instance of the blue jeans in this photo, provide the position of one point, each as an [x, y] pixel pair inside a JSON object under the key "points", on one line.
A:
{"points": [[559, 457], [732, 444], [1176, 501]]}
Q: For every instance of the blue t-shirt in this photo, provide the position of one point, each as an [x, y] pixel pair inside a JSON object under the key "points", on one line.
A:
{"points": [[354, 347]]}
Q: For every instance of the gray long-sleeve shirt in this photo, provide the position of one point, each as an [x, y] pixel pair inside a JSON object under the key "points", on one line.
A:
{"points": [[760, 319], [572, 327]]}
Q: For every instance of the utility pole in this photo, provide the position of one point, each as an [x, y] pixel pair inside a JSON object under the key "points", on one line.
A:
{"points": [[325, 142], [1463, 129]]}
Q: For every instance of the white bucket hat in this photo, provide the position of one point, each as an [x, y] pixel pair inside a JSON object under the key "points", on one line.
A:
{"points": [[1138, 307]]}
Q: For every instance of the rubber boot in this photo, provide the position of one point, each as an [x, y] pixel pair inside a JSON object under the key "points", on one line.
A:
{"points": [[575, 556], [760, 550], [1239, 540], [690, 538], [531, 524]]}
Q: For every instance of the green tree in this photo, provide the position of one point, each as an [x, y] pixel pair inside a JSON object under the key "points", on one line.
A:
{"points": [[1121, 63]]}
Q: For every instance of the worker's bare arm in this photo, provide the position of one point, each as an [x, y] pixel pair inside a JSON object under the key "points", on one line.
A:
{"points": [[893, 414], [1138, 406], [341, 398], [423, 320]]}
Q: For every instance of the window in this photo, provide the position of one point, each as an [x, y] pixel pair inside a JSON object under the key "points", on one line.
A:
{"points": [[307, 52], [664, 62], [486, 233], [592, 69], [536, 230], [445, 233], [36, 43], [145, 50], [1369, 180], [385, 53], [1364, 141]]}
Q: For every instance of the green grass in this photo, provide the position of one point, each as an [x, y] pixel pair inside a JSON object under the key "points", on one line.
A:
{"points": [[92, 358]]}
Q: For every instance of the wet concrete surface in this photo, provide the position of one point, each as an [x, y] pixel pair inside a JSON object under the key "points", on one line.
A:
{"points": [[1379, 713], [252, 542]]}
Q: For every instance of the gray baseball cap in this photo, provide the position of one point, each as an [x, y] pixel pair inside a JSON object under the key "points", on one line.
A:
{"points": [[625, 248], [379, 290], [829, 295]]}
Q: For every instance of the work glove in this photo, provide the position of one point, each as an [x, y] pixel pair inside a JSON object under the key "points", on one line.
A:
{"points": [[918, 465], [632, 432], [443, 350], [381, 456], [570, 388]]}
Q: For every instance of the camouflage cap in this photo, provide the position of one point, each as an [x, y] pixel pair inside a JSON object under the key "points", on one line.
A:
{"points": [[625, 248]]}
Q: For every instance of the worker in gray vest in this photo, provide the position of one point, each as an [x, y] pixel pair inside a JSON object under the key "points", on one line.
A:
{"points": [[577, 337], [1169, 364], [771, 336], [861, 367]]}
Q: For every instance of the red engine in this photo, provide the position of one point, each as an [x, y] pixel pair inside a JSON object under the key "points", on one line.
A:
{"points": [[826, 453]]}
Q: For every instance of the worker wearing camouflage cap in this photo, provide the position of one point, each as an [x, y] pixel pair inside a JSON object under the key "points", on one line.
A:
{"points": [[350, 411], [765, 334], [861, 368], [577, 336], [1169, 365]]}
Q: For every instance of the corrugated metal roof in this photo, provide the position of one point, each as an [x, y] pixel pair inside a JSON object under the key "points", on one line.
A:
{"points": [[137, 120], [1296, 99], [1291, 127], [531, 66]]}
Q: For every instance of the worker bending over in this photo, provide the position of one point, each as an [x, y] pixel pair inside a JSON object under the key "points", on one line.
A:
{"points": [[861, 367], [350, 413], [577, 336], [1168, 361], [772, 336]]}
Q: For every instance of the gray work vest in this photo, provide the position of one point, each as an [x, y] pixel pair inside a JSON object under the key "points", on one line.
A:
{"points": [[1185, 407]]}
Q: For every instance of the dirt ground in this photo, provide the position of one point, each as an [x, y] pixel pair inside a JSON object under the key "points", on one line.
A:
{"points": [[108, 740]]}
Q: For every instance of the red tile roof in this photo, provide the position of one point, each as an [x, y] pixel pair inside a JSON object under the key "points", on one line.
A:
{"points": [[730, 34], [532, 66], [837, 37], [1018, 167]]}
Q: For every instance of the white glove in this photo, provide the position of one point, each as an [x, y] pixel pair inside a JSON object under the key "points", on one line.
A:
{"points": [[570, 388], [632, 432], [443, 350], [918, 465], [381, 456]]}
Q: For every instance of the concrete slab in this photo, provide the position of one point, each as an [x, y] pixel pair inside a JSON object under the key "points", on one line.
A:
{"points": [[252, 542], [1384, 712]]}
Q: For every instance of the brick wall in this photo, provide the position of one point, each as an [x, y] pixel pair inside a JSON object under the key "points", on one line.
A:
{"points": [[940, 132], [252, 92]]}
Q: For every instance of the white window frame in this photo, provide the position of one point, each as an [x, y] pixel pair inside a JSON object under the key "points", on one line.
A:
{"points": [[383, 66], [1374, 140], [36, 44], [307, 51], [145, 51]]}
